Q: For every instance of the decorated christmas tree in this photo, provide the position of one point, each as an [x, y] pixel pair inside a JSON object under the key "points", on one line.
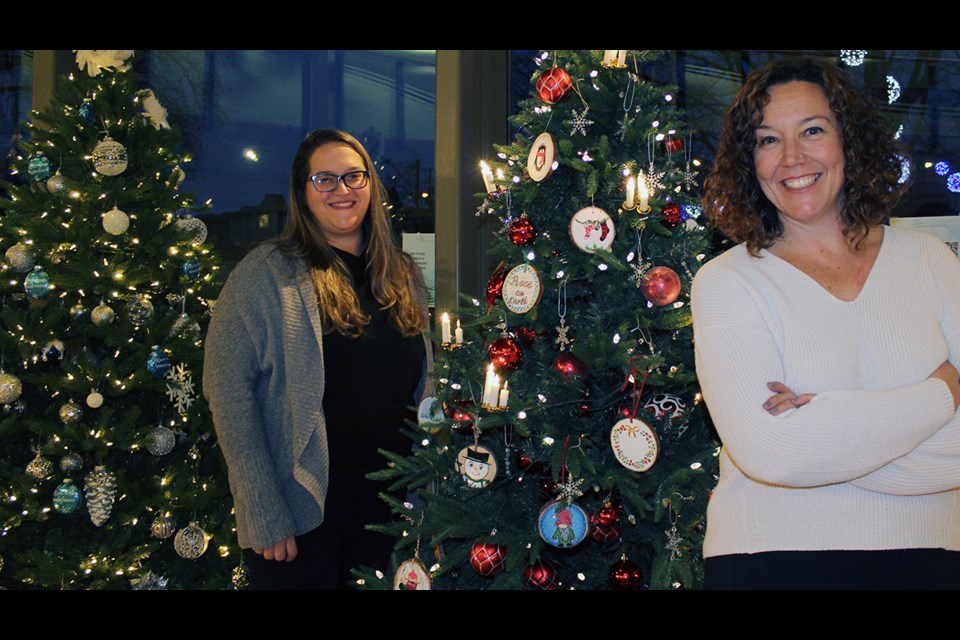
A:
{"points": [[110, 476], [567, 447]]}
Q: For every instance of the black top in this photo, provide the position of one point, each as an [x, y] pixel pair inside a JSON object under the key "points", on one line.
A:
{"points": [[370, 386]]}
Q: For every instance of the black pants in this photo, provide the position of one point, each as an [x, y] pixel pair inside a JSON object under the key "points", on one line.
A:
{"points": [[888, 569], [326, 555]]}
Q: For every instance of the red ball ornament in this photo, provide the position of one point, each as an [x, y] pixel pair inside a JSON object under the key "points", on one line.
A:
{"points": [[569, 365], [495, 284], [607, 516], [505, 354], [522, 232], [524, 461], [660, 285], [554, 85], [625, 576], [487, 559], [542, 574], [673, 145], [672, 215], [462, 420], [527, 336]]}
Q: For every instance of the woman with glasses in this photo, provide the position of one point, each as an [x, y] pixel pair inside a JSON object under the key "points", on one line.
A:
{"points": [[314, 356]]}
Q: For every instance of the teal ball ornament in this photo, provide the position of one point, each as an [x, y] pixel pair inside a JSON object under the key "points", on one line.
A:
{"points": [[37, 283], [39, 167], [67, 497], [158, 363], [191, 268]]}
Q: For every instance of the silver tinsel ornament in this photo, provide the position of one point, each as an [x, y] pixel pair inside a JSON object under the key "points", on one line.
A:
{"points": [[10, 388], [109, 157], [161, 440], [162, 527], [102, 315], [115, 221], [139, 310], [148, 582], [40, 468], [194, 228], [100, 491], [190, 542], [20, 258], [71, 412], [71, 463]]}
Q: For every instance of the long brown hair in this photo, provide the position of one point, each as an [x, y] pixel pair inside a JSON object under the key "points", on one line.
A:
{"points": [[872, 158], [392, 273]]}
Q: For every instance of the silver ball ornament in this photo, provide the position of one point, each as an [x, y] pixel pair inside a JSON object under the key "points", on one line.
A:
{"points": [[194, 227], [161, 440], [115, 221], [190, 542], [163, 527], [10, 388], [109, 157], [56, 183], [19, 258], [102, 315], [71, 463], [140, 309], [71, 413]]}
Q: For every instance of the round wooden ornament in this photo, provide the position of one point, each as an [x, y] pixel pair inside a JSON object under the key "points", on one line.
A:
{"points": [[592, 230], [522, 289]]}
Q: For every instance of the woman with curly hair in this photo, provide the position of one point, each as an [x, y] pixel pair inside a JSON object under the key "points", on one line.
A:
{"points": [[314, 356], [827, 345]]}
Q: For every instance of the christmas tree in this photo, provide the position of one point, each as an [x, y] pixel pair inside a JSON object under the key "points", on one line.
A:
{"points": [[567, 447], [110, 476]]}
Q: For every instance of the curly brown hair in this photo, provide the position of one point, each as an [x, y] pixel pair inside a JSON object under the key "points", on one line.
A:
{"points": [[732, 196]]}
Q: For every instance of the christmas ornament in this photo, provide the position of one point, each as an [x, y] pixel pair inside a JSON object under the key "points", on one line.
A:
{"points": [[521, 289], [569, 364], [527, 336], [634, 444], [66, 497], [139, 309], [562, 328], [522, 231], [505, 354], [94, 400], [430, 415], [148, 582], [563, 524], [100, 491], [158, 363], [10, 388], [70, 412], [542, 574], [18, 408], [191, 268], [173, 299], [660, 286], [194, 228], [71, 463], [487, 559], [154, 112], [115, 221], [40, 468], [462, 420], [607, 516], [182, 324], [190, 542], [542, 157], [162, 527], [37, 283], [161, 440], [625, 576], [672, 145], [592, 229], [77, 311], [19, 258], [665, 403], [53, 351], [39, 167], [554, 85], [86, 110], [239, 577], [94, 61], [411, 575], [477, 466], [180, 389], [524, 461], [604, 534], [109, 157], [495, 284], [672, 216], [56, 183], [102, 315], [580, 122]]}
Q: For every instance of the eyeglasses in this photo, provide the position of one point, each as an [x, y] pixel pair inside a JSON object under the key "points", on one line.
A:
{"points": [[324, 182]]}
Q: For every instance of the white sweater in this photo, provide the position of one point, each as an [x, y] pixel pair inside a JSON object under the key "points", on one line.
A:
{"points": [[873, 461]]}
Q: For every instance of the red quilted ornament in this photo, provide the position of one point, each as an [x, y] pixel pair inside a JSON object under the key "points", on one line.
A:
{"points": [[554, 85], [495, 284], [542, 574], [487, 559]]}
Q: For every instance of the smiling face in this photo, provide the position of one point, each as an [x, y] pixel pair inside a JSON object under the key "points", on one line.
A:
{"points": [[799, 157], [339, 213]]}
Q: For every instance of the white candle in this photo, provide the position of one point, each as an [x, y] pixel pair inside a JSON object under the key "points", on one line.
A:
{"points": [[488, 183], [445, 329], [495, 392], [644, 196], [628, 202], [488, 385], [458, 334], [504, 396], [614, 57]]}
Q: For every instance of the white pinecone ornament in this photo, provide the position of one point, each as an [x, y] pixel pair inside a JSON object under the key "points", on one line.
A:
{"points": [[100, 490]]}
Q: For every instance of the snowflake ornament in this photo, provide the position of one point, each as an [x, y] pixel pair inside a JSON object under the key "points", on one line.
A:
{"points": [[570, 490], [673, 542], [580, 122], [639, 270], [562, 339], [180, 389], [654, 178], [624, 125]]}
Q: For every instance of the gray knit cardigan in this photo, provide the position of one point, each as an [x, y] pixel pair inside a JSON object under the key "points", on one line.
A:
{"points": [[263, 377]]}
